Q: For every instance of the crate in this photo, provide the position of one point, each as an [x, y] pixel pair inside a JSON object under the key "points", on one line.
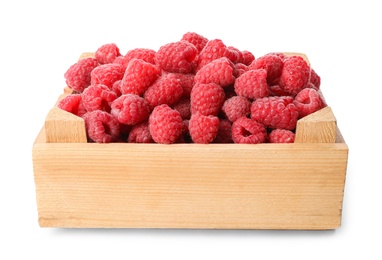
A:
{"points": [[203, 186]]}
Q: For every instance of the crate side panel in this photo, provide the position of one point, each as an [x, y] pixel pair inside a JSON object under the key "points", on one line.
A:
{"points": [[190, 186]]}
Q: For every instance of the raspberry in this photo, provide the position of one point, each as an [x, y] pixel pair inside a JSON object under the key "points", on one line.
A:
{"points": [[272, 64], [78, 75], [281, 55], [213, 50], [275, 112], [98, 97], [315, 79], [187, 81], [117, 87], [294, 75], [276, 90], [72, 104], [308, 101], [240, 68], [203, 129], [207, 99], [183, 106], [197, 40], [101, 127], [139, 75], [219, 71], [224, 134], [107, 53], [176, 57], [140, 133], [247, 131], [236, 107], [130, 109], [235, 54], [165, 124], [247, 57], [281, 136], [166, 90], [252, 84], [147, 55], [107, 74]]}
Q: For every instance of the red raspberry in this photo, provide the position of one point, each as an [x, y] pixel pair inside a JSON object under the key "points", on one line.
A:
{"points": [[224, 134], [236, 107], [281, 136], [236, 55], [98, 97], [117, 87], [276, 90], [101, 127], [165, 124], [147, 55], [247, 57], [166, 90], [308, 101], [240, 69], [219, 71], [78, 75], [281, 55], [315, 79], [294, 75], [130, 109], [207, 99], [213, 50], [275, 112], [107, 53], [176, 57], [139, 75], [252, 84], [197, 40], [187, 81], [272, 64], [184, 107], [247, 131], [72, 104], [203, 129], [140, 133], [107, 74]]}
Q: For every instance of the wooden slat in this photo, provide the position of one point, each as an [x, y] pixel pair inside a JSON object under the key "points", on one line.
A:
{"points": [[267, 186], [64, 127], [319, 127]]}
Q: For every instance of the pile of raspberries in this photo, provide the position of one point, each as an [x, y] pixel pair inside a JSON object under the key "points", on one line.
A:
{"points": [[194, 90]]}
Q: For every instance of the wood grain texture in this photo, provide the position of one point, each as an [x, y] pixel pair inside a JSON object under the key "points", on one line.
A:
{"points": [[267, 186], [319, 127], [64, 127]]}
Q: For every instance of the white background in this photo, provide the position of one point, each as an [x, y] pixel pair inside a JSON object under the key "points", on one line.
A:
{"points": [[39, 40]]}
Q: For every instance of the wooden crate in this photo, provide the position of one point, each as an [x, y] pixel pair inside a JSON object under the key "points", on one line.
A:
{"points": [[213, 186]]}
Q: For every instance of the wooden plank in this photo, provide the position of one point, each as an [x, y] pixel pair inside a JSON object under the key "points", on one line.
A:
{"points": [[64, 127], [319, 127], [266, 186]]}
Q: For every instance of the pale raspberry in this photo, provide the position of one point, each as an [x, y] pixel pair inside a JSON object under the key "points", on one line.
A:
{"points": [[236, 107]]}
